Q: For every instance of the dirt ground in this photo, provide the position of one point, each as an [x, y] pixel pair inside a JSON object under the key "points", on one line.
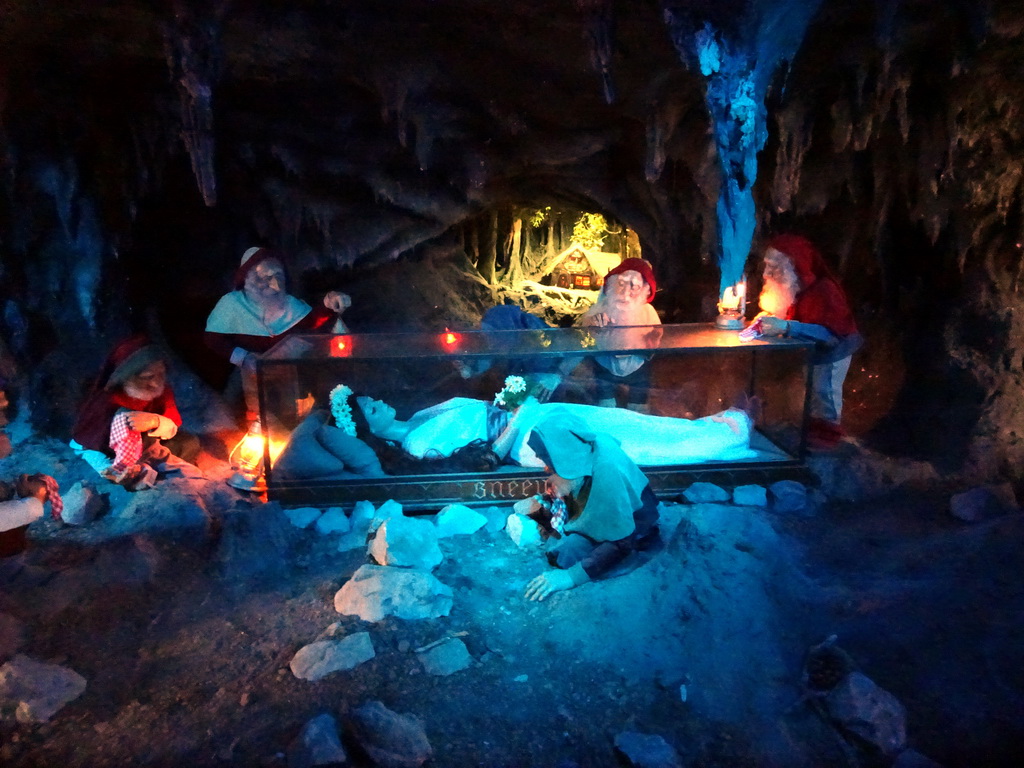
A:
{"points": [[184, 636]]}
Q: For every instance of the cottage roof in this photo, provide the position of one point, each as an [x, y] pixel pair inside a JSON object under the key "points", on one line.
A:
{"points": [[601, 263]]}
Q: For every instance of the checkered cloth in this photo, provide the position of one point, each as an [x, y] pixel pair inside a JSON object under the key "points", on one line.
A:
{"points": [[126, 442], [559, 514], [752, 331], [53, 496]]}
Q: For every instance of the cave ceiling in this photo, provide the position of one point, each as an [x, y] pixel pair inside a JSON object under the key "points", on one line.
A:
{"points": [[353, 133]]}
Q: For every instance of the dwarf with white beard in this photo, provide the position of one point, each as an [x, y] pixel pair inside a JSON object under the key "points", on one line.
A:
{"points": [[802, 299], [260, 312], [624, 309]]}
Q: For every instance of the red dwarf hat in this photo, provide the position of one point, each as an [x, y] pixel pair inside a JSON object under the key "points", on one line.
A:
{"points": [[639, 265], [807, 260], [250, 259]]}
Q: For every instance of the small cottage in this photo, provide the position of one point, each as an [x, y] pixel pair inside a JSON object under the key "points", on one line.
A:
{"points": [[577, 267]]}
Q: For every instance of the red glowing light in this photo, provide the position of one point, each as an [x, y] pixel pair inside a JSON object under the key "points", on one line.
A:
{"points": [[450, 338], [341, 346]]}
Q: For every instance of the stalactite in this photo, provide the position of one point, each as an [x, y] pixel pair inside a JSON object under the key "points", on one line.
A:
{"points": [[863, 115], [600, 32], [399, 90], [795, 135], [322, 214], [192, 48], [738, 63], [1019, 247], [902, 113], [288, 214], [885, 24], [842, 125], [289, 160], [72, 254], [662, 118], [658, 132]]}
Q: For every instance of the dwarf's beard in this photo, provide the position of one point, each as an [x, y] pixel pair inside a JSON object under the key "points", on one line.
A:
{"points": [[777, 296], [268, 301]]}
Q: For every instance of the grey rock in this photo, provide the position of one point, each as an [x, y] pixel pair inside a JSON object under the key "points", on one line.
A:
{"points": [[376, 591], [388, 510], [406, 542], [303, 517], [334, 520], [390, 739], [36, 691], [701, 492], [524, 531], [750, 496], [647, 750], [496, 517], [446, 659], [788, 496], [983, 503], [458, 520], [874, 715], [317, 744], [362, 515], [82, 505], [324, 657]]}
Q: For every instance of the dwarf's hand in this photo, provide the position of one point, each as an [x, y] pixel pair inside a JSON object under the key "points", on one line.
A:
{"points": [[773, 326], [336, 301], [30, 485], [548, 583], [547, 383], [141, 421], [156, 452], [600, 319], [249, 363]]}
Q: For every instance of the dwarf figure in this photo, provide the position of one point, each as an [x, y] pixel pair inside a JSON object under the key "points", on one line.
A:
{"points": [[128, 427], [598, 507], [259, 312], [32, 492], [625, 302], [801, 298]]}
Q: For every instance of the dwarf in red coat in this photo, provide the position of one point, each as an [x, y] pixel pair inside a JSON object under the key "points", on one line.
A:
{"points": [[801, 298], [130, 420]]}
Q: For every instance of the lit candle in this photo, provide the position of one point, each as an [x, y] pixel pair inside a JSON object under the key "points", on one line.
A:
{"points": [[734, 298]]}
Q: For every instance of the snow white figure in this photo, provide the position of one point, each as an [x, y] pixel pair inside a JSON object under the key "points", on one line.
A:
{"points": [[468, 435]]}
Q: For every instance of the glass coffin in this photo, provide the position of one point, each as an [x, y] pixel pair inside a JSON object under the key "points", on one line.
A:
{"points": [[693, 402]]}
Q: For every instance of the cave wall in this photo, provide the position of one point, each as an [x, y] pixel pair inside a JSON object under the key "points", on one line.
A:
{"points": [[144, 150]]}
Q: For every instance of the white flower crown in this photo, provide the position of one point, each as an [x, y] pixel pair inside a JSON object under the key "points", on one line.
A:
{"points": [[512, 394], [341, 410]]}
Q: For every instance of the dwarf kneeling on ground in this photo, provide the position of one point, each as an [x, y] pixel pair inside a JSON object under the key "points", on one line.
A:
{"points": [[598, 507], [128, 427]]}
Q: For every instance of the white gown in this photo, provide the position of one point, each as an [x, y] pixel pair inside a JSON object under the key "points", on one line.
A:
{"points": [[648, 440]]}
